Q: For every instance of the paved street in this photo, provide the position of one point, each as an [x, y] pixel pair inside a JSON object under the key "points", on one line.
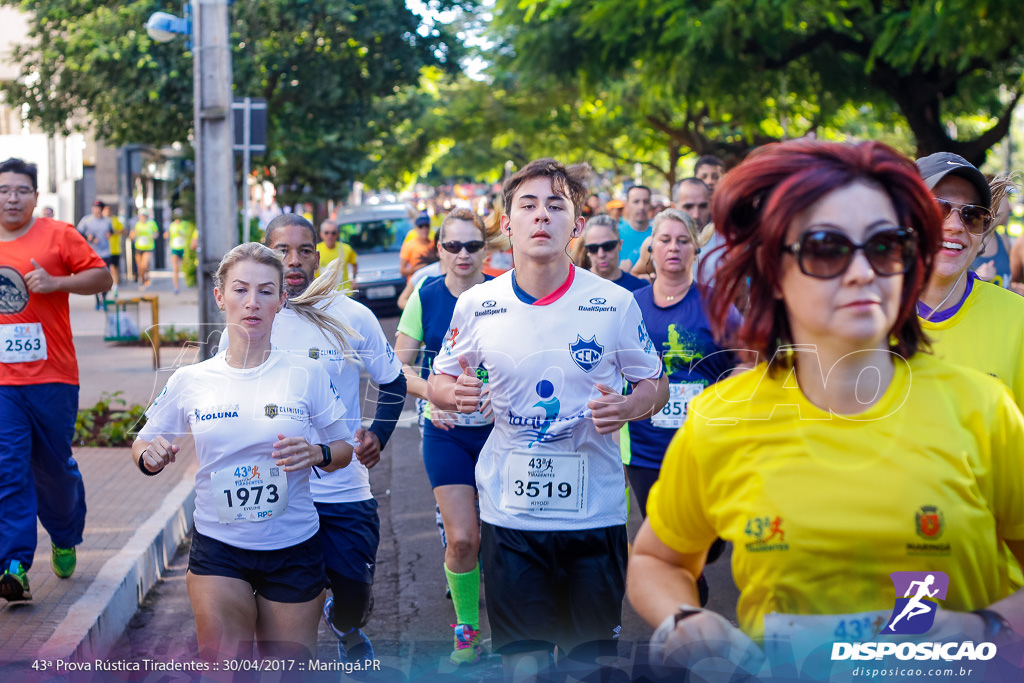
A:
{"points": [[410, 626]]}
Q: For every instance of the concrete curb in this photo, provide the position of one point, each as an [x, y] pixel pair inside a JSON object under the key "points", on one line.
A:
{"points": [[96, 621]]}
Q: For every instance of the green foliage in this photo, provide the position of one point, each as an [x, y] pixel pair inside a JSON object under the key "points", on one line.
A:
{"points": [[109, 423], [745, 72], [321, 64]]}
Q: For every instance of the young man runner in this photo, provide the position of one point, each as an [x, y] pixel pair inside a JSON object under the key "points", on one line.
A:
{"points": [[41, 262], [554, 339], [349, 525]]}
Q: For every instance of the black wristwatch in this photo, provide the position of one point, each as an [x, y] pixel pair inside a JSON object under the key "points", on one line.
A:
{"points": [[997, 628], [326, 450]]}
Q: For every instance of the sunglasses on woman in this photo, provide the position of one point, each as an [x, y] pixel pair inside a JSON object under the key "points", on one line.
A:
{"points": [[607, 246], [976, 219], [454, 246], [825, 254]]}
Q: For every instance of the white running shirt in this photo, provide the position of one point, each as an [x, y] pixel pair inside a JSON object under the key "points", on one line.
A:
{"points": [[296, 336], [235, 415], [545, 467]]}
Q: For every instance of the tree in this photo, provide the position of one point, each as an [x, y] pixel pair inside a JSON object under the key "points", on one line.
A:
{"points": [[726, 65], [321, 65]]}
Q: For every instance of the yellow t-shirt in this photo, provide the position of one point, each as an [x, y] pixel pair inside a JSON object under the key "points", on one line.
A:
{"points": [[986, 334], [117, 234], [821, 509], [328, 255]]}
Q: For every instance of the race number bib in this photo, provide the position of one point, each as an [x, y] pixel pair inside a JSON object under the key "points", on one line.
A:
{"points": [[250, 493], [795, 637], [673, 415], [545, 482], [22, 343]]}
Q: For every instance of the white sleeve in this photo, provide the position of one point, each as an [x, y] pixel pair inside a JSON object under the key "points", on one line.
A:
{"points": [[165, 416], [326, 409], [458, 341], [375, 351], [635, 354]]}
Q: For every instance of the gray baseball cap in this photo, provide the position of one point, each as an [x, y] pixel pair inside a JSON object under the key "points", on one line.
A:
{"points": [[935, 167]]}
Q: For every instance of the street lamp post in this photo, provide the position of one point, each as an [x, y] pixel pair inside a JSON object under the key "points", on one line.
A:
{"points": [[215, 169]]}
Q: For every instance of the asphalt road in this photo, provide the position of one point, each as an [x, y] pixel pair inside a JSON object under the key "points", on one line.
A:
{"points": [[410, 624]]}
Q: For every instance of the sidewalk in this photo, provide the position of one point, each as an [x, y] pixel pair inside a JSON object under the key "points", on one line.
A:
{"points": [[134, 523]]}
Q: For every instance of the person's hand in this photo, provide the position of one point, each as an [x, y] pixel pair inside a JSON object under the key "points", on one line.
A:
{"points": [[367, 449], [1017, 287], [294, 453], [609, 411], [442, 419], [987, 271], [158, 454], [40, 281], [468, 389], [707, 645]]}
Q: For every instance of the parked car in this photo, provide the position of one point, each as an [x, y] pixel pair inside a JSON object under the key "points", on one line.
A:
{"points": [[376, 233]]}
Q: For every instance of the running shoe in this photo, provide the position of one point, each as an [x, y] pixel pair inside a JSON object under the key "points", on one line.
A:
{"points": [[467, 645], [14, 583], [63, 561], [353, 646]]}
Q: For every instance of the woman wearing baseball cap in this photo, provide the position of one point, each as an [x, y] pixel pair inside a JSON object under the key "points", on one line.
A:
{"points": [[970, 321]]}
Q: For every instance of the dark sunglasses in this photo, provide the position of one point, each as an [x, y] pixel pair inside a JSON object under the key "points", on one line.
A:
{"points": [[454, 246], [826, 254], [607, 246], [976, 219]]}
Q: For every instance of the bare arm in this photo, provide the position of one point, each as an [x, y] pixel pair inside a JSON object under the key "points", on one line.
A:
{"points": [[88, 281], [642, 267], [294, 453], [155, 454], [407, 348], [403, 298], [611, 409], [659, 579]]}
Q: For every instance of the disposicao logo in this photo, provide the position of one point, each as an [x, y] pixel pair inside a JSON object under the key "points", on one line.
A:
{"points": [[917, 596], [914, 612]]}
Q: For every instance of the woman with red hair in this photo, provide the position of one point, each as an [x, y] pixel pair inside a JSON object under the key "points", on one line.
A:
{"points": [[848, 453]]}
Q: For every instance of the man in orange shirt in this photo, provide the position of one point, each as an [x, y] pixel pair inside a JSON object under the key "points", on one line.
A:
{"points": [[41, 261], [417, 251]]}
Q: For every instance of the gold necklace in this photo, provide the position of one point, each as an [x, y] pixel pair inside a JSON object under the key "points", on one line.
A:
{"points": [[680, 295]]}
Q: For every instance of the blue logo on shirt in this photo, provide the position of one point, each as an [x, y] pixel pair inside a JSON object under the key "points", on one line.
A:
{"points": [[915, 611], [586, 353]]}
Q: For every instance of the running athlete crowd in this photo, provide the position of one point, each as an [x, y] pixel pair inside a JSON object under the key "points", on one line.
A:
{"points": [[796, 359]]}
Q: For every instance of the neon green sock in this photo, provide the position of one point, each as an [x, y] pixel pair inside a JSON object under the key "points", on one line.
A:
{"points": [[465, 595]]}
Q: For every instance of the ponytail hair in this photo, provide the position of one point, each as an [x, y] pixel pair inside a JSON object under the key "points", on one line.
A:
{"points": [[325, 288], [304, 305]]}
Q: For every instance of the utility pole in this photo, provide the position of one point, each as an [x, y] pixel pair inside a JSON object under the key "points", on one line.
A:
{"points": [[216, 218]]}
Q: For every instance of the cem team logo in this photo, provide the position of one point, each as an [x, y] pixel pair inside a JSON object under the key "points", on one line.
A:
{"points": [[917, 596], [586, 353], [13, 291]]}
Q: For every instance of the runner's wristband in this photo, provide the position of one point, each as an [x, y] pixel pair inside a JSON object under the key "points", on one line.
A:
{"points": [[142, 466], [326, 450]]}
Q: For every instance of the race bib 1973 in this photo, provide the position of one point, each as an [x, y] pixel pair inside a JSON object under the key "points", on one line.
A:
{"points": [[250, 493]]}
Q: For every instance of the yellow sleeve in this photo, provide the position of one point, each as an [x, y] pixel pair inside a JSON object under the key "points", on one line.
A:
{"points": [[676, 507], [1007, 444]]}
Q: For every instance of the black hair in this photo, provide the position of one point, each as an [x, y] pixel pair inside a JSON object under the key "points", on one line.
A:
{"points": [[285, 220], [21, 167]]}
